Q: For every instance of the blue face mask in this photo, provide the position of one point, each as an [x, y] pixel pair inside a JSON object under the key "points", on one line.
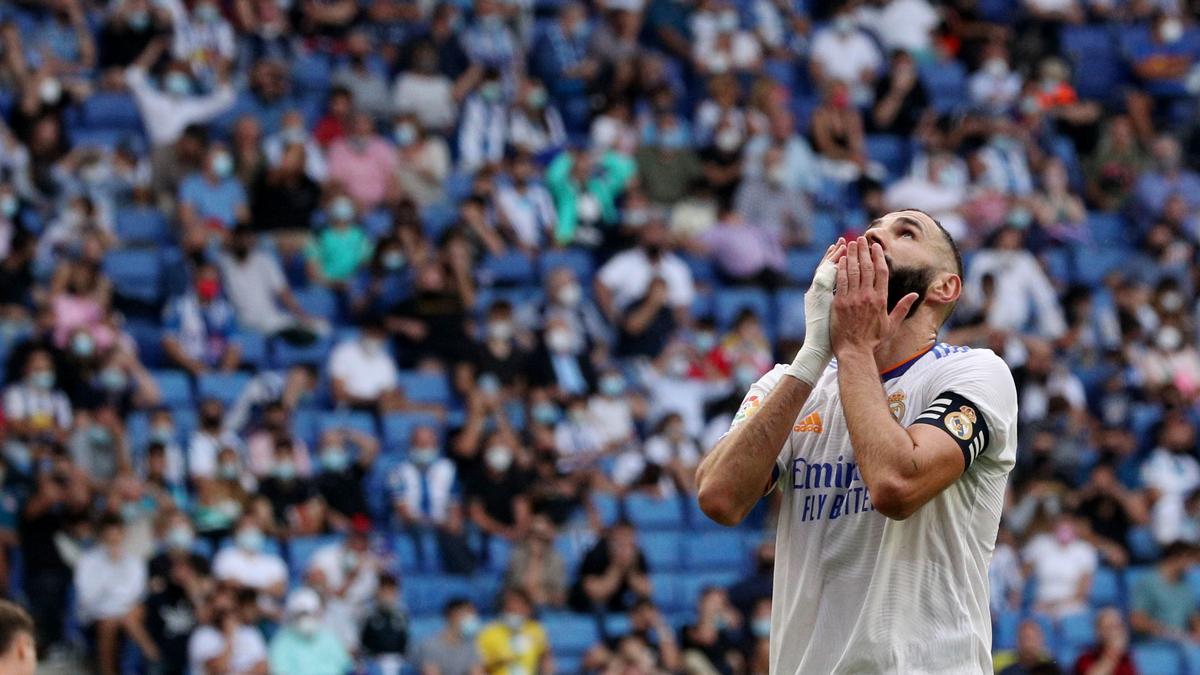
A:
{"points": [[612, 385], [177, 83], [705, 341], [393, 260], [341, 210], [761, 628], [9, 205], [43, 379], [334, 459], [674, 139], [490, 92], [545, 413], [163, 434], [113, 379], [139, 20], [470, 626], [251, 540], [83, 345], [130, 511], [423, 456], [405, 134], [284, 471], [98, 435], [222, 165]]}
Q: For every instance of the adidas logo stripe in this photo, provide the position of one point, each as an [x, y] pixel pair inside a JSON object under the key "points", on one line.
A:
{"points": [[811, 423]]}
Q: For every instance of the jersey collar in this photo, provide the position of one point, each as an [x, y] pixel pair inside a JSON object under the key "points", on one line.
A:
{"points": [[898, 369]]}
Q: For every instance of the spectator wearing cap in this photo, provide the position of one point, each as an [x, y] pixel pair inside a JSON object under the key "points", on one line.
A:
{"points": [[365, 164], [109, 585], [452, 650], [384, 636], [613, 574], [525, 207], [425, 497], [515, 642], [1111, 653], [247, 565], [646, 291], [167, 112], [1163, 605], [199, 324], [347, 575], [303, 645]]}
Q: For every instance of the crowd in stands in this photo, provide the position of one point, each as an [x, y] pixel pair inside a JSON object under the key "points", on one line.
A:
{"points": [[385, 336]]}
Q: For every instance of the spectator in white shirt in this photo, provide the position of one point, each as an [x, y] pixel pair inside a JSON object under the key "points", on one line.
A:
{"points": [[667, 462], [671, 389], [1170, 475], [34, 406], [534, 125], [424, 497], [994, 88], [363, 373], [346, 575], [110, 583], [1022, 291], [425, 92], [167, 112], [1062, 565], [918, 17], [294, 130], [255, 284], [247, 565], [208, 440], [722, 46], [525, 206], [934, 191], [224, 645], [843, 52], [424, 161]]}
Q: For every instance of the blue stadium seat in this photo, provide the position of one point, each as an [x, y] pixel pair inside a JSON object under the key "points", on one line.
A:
{"points": [[425, 387], [499, 552], [1106, 588], [702, 269], [311, 72], [1004, 630], [428, 594], [254, 348], [1058, 264], [141, 226], [398, 428], [284, 355], [1107, 229], [421, 628], [1078, 629], [616, 624], [111, 110], [1142, 544], [715, 551], [696, 519], [946, 83], [318, 301], [1093, 263], [578, 261], [567, 664], [1096, 64], [789, 313], [1159, 658], [301, 550], [893, 152], [570, 634], [509, 269], [135, 274], [225, 387], [802, 262], [663, 550], [405, 550], [666, 591], [729, 302], [174, 387], [693, 583], [438, 217], [607, 507], [356, 420], [653, 513]]}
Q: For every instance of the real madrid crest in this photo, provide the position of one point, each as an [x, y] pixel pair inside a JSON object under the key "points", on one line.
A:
{"points": [[896, 404], [961, 423]]}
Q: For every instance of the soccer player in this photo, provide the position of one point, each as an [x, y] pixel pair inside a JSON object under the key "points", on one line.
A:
{"points": [[892, 461]]}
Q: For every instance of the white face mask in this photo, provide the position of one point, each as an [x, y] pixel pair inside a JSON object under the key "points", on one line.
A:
{"points": [[498, 458], [728, 139], [996, 67], [307, 625], [570, 295], [558, 340], [1171, 30], [1169, 338]]}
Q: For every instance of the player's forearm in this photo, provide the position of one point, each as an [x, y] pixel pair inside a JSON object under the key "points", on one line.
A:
{"points": [[883, 449], [733, 477]]}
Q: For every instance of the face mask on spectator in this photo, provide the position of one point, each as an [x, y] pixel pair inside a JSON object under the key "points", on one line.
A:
{"points": [[761, 627], [177, 84], [745, 375], [677, 366], [423, 456], [250, 539], [728, 139], [42, 379], [50, 90], [569, 295], [727, 22], [222, 165], [1171, 30], [139, 20], [777, 174], [558, 340], [393, 260], [536, 98], [1169, 338], [405, 134], [612, 385], [284, 470], [674, 138], [498, 458], [500, 330], [350, 560], [469, 625], [130, 511], [843, 24], [513, 620], [228, 470], [341, 210], [293, 135], [113, 379], [207, 12], [705, 341], [545, 413], [490, 91], [307, 625], [82, 345], [334, 458], [163, 433], [8, 205], [180, 538], [996, 67]]}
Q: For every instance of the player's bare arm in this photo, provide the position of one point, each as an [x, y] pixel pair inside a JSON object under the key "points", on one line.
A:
{"points": [[903, 468], [738, 470]]}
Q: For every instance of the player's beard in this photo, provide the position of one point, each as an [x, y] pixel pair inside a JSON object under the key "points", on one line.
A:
{"points": [[905, 280]]}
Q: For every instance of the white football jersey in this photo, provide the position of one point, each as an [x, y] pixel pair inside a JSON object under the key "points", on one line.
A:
{"points": [[856, 592]]}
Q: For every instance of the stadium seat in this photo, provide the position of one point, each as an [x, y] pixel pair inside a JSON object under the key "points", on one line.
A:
{"points": [[424, 387], [567, 664], [398, 428], [1107, 229], [893, 152], [1142, 544], [318, 301], [438, 217], [666, 591], [570, 634], [141, 227], [1078, 629], [715, 551], [1004, 630], [653, 513], [729, 302], [254, 348], [1159, 658], [225, 387], [509, 269], [946, 82], [285, 355], [607, 507], [1096, 63], [428, 594], [802, 262], [421, 628], [663, 550], [311, 73], [405, 550], [356, 420], [1106, 588], [1093, 263], [135, 274], [789, 313], [111, 110], [174, 388], [696, 519]]}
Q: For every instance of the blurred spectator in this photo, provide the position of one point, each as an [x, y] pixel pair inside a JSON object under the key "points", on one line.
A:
{"points": [[750, 590], [177, 579], [364, 164], [294, 131], [110, 583], [35, 407], [168, 111], [746, 253], [302, 645], [362, 76], [1171, 473], [256, 285], [562, 363], [585, 188], [566, 301], [203, 38], [1062, 565], [525, 206], [1162, 603], [1110, 509], [384, 635], [208, 440], [502, 358], [1024, 293], [198, 325], [516, 642], [1060, 213], [19, 653], [452, 650], [346, 457], [1160, 61], [424, 161], [727, 47], [711, 643], [901, 102], [650, 642], [426, 92], [934, 191], [1111, 653], [274, 427], [995, 89], [424, 496], [537, 568], [432, 323], [612, 575], [1114, 166], [483, 127], [334, 125], [535, 125], [247, 565], [672, 389], [225, 644], [285, 196], [667, 165], [495, 492], [766, 201], [296, 506], [128, 30], [845, 53], [665, 464], [335, 255], [347, 576], [1031, 656], [1166, 176]]}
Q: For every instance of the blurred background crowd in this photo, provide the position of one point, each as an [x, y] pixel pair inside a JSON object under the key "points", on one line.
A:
{"points": [[385, 335]]}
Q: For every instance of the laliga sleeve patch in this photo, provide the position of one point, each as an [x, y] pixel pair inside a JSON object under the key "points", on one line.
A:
{"points": [[962, 419]]}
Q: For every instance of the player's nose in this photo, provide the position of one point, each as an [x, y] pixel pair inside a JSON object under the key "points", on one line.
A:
{"points": [[876, 235]]}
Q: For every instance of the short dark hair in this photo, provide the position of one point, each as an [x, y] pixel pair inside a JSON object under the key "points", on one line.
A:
{"points": [[454, 604], [14, 620]]}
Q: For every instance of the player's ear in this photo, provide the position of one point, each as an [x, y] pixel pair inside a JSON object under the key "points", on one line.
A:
{"points": [[945, 289]]}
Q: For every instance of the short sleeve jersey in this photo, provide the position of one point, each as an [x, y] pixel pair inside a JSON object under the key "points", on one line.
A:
{"points": [[857, 592]]}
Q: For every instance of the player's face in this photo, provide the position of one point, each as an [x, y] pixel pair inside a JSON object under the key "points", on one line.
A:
{"points": [[910, 242]]}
